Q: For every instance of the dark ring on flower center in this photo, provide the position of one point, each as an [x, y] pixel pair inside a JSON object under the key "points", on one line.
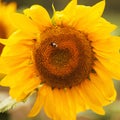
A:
{"points": [[64, 57]]}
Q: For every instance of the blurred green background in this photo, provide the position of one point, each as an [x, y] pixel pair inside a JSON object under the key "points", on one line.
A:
{"points": [[112, 14]]}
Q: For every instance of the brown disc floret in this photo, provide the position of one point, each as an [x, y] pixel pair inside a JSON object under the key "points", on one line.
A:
{"points": [[64, 57]]}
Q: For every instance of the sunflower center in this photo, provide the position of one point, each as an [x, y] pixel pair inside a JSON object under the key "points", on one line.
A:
{"points": [[64, 57], [60, 57]]}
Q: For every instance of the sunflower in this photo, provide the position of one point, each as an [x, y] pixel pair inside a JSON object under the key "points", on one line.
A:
{"points": [[69, 60], [6, 27]]}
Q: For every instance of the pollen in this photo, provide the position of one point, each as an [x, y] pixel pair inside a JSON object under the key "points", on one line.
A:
{"points": [[64, 57]]}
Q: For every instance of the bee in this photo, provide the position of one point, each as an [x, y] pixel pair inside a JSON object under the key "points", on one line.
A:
{"points": [[53, 44]]}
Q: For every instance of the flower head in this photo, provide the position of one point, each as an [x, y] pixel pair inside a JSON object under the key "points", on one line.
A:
{"points": [[69, 60], [6, 27]]}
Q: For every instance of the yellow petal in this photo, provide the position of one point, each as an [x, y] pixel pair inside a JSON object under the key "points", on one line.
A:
{"points": [[63, 16], [109, 56], [39, 15], [108, 92], [113, 66], [25, 24], [49, 106], [99, 8], [19, 42], [71, 104], [59, 108], [112, 56], [11, 7], [17, 93], [3, 41], [78, 101], [9, 63], [32, 84], [88, 91], [69, 7], [16, 50], [44, 89], [12, 78], [89, 16], [66, 110], [100, 79], [19, 36], [112, 45], [38, 105], [86, 18], [67, 102], [94, 35]]}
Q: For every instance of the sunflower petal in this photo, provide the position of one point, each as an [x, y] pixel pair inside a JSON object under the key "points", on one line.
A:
{"points": [[89, 16], [69, 7], [93, 33], [87, 93], [39, 15], [38, 105], [14, 82], [71, 105], [78, 101], [40, 100], [21, 50], [59, 105], [23, 92], [63, 16], [12, 78], [108, 92], [49, 105], [19, 36], [112, 66], [8, 64], [3, 41], [24, 23], [68, 112]]}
